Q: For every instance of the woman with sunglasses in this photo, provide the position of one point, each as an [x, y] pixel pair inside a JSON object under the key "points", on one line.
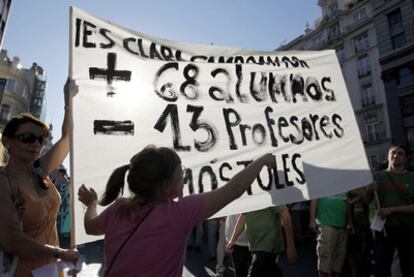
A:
{"points": [[29, 201], [145, 234]]}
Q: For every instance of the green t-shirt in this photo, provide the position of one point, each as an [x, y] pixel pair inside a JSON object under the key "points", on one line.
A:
{"points": [[264, 230], [395, 189], [332, 211]]}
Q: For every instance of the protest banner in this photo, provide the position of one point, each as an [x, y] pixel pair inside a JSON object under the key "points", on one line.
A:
{"points": [[218, 107]]}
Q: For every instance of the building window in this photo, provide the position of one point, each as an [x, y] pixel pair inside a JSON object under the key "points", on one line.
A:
{"points": [[359, 15], [398, 40], [407, 105], [40, 85], [316, 41], [2, 26], [368, 96], [395, 19], [24, 93], [340, 53], [2, 87], [374, 161], [363, 66], [395, 24], [11, 85], [410, 138], [4, 113], [405, 76], [37, 102], [333, 9], [371, 132], [334, 31], [361, 42], [374, 130]]}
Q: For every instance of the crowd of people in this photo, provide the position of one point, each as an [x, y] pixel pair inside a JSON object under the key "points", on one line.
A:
{"points": [[341, 224], [345, 243], [148, 233]]}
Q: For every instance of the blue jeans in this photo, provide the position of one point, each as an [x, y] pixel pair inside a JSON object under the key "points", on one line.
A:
{"points": [[195, 237], [212, 226]]}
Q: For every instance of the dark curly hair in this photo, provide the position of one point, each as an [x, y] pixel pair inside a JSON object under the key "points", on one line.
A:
{"points": [[14, 123]]}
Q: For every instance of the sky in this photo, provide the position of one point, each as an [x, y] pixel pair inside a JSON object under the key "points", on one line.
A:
{"points": [[38, 31]]}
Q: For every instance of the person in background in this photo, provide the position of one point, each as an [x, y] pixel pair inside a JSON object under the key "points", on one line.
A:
{"points": [[300, 218], [360, 242], [392, 194], [221, 243], [28, 199], [195, 238], [329, 217], [155, 220], [212, 232], [240, 252], [265, 236]]}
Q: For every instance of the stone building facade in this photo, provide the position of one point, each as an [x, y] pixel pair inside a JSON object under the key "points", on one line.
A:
{"points": [[349, 27], [21, 90], [394, 20]]}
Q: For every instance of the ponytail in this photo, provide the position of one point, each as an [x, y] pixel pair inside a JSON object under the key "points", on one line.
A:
{"points": [[115, 185]]}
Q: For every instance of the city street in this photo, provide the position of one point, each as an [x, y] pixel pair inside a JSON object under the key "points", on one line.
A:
{"points": [[198, 264]]}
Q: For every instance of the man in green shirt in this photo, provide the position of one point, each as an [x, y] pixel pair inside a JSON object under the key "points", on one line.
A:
{"points": [[394, 189], [330, 214], [265, 236]]}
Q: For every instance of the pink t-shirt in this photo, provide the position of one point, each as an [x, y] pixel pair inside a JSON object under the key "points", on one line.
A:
{"points": [[158, 246]]}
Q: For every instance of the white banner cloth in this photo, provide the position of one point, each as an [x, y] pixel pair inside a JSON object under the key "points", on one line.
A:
{"points": [[218, 107]]}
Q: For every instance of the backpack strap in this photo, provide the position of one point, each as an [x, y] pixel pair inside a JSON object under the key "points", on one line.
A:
{"points": [[127, 239]]}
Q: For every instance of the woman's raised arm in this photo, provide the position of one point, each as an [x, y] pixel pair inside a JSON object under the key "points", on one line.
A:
{"points": [[215, 200], [52, 159]]}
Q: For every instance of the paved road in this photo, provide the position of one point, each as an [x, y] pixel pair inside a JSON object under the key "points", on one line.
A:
{"points": [[198, 264]]}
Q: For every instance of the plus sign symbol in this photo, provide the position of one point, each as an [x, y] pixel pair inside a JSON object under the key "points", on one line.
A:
{"points": [[110, 74]]}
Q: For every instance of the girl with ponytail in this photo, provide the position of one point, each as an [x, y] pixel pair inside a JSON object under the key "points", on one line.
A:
{"points": [[145, 234]]}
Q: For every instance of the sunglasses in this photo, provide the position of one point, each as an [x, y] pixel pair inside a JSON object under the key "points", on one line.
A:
{"points": [[29, 137]]}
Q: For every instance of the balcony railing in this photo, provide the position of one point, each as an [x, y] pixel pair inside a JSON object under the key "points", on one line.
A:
{"points": [[363, 73], [365, 102]]}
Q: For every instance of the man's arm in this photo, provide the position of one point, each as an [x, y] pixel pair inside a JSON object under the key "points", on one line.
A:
{"points": [[349, 214], [407, 209], [290, 241], [369, 192], [238, 229], [312, 214], [356, 195]]}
